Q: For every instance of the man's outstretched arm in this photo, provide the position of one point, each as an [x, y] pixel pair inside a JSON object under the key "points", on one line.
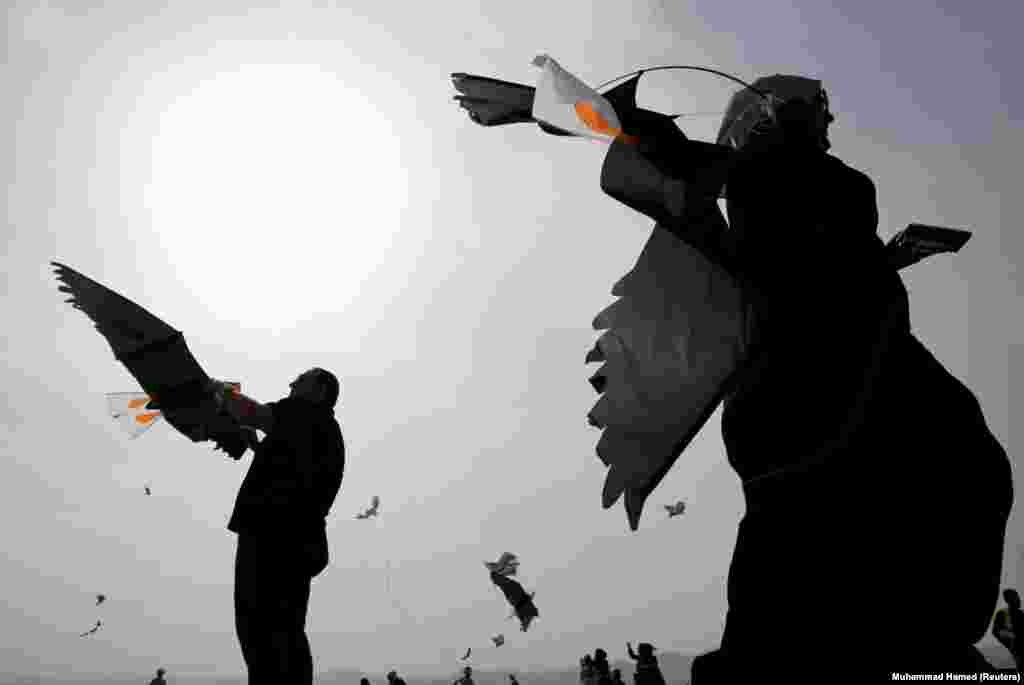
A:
{"points": [[245, 410]]}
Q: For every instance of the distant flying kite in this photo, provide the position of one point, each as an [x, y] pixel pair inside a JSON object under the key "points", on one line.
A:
{"points": [[468, 652], [523, 607], [506, 565], [675, 509], [174, 386], [92, 630], [372, 511], [498, 640], [148, 491], [100, 599]]}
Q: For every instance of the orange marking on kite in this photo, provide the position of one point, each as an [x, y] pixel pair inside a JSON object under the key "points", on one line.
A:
{"points": [[147, 418], [135, 404], [593, 119]]}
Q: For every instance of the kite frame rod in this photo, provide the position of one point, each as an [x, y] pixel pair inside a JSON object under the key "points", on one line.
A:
{"points": [[687, 67]]}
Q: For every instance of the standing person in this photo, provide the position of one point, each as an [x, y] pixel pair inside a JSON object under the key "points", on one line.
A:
{"points": [[587, 670], [602, 672], [394, 679], [159, 679], [647, 670], [467, 677], [280, 519], [840, 424]]}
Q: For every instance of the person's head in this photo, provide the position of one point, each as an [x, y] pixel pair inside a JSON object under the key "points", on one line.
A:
{"points": [[316, 385], [467, 671], [793, 105], [600, 654], [160, 673], [1012, 598], [645, 649], [587, 660]]}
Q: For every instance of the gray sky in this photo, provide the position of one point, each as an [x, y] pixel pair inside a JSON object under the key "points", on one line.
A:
{"points": [[292, 186]]}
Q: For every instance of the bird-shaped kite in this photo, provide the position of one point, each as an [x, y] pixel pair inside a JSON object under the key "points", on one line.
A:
{"points": [[523, 607], [506, 565], [675, 342], [372, 511], [92, 630], [100, 599], [174, 386], [675, 509], [498, 640]]}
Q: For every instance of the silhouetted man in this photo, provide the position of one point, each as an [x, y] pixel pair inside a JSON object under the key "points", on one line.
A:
{"points": [[602, 671], [159, 679], [467, 677], [647, 670], [394, 679], [280, 518], [841, 425]]}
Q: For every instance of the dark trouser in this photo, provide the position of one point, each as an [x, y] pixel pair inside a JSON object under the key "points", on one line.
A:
{"points": [[271, 598]]}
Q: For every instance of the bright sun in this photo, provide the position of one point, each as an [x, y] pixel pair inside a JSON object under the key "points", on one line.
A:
{"points": [[276, 190]]}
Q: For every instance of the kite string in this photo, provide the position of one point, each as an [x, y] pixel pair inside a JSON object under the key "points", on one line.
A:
{"points": [[687, 67], [395, 602]]}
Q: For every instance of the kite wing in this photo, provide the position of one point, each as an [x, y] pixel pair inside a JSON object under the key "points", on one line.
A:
{"points": [[491, 102], [677, 335], [156, 355], [919, 241], [498, 640], [521, 601]]}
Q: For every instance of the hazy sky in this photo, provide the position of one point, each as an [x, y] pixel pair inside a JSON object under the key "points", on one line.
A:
{"points": [[292, 186]]}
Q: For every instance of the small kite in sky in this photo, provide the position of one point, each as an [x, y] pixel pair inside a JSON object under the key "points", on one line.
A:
{"points": [[148, 491], [498, 640], [174, 386], [92, 630], [468, 652], [523, 607], [372, 511], [675, 509], [506, 565], [100, 599]]}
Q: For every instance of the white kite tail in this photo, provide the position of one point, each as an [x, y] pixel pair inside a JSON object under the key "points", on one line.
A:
{"points": [[129, 410]]}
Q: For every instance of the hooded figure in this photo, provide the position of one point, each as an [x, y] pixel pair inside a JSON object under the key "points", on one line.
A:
{"points": [[828, 397]]}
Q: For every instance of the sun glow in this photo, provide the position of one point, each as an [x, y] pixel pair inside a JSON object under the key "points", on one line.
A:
{"points": [[276, 191]]}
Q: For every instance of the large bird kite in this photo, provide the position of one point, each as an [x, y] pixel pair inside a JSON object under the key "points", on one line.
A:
{"points": [[675, 341], [156, 355]]}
